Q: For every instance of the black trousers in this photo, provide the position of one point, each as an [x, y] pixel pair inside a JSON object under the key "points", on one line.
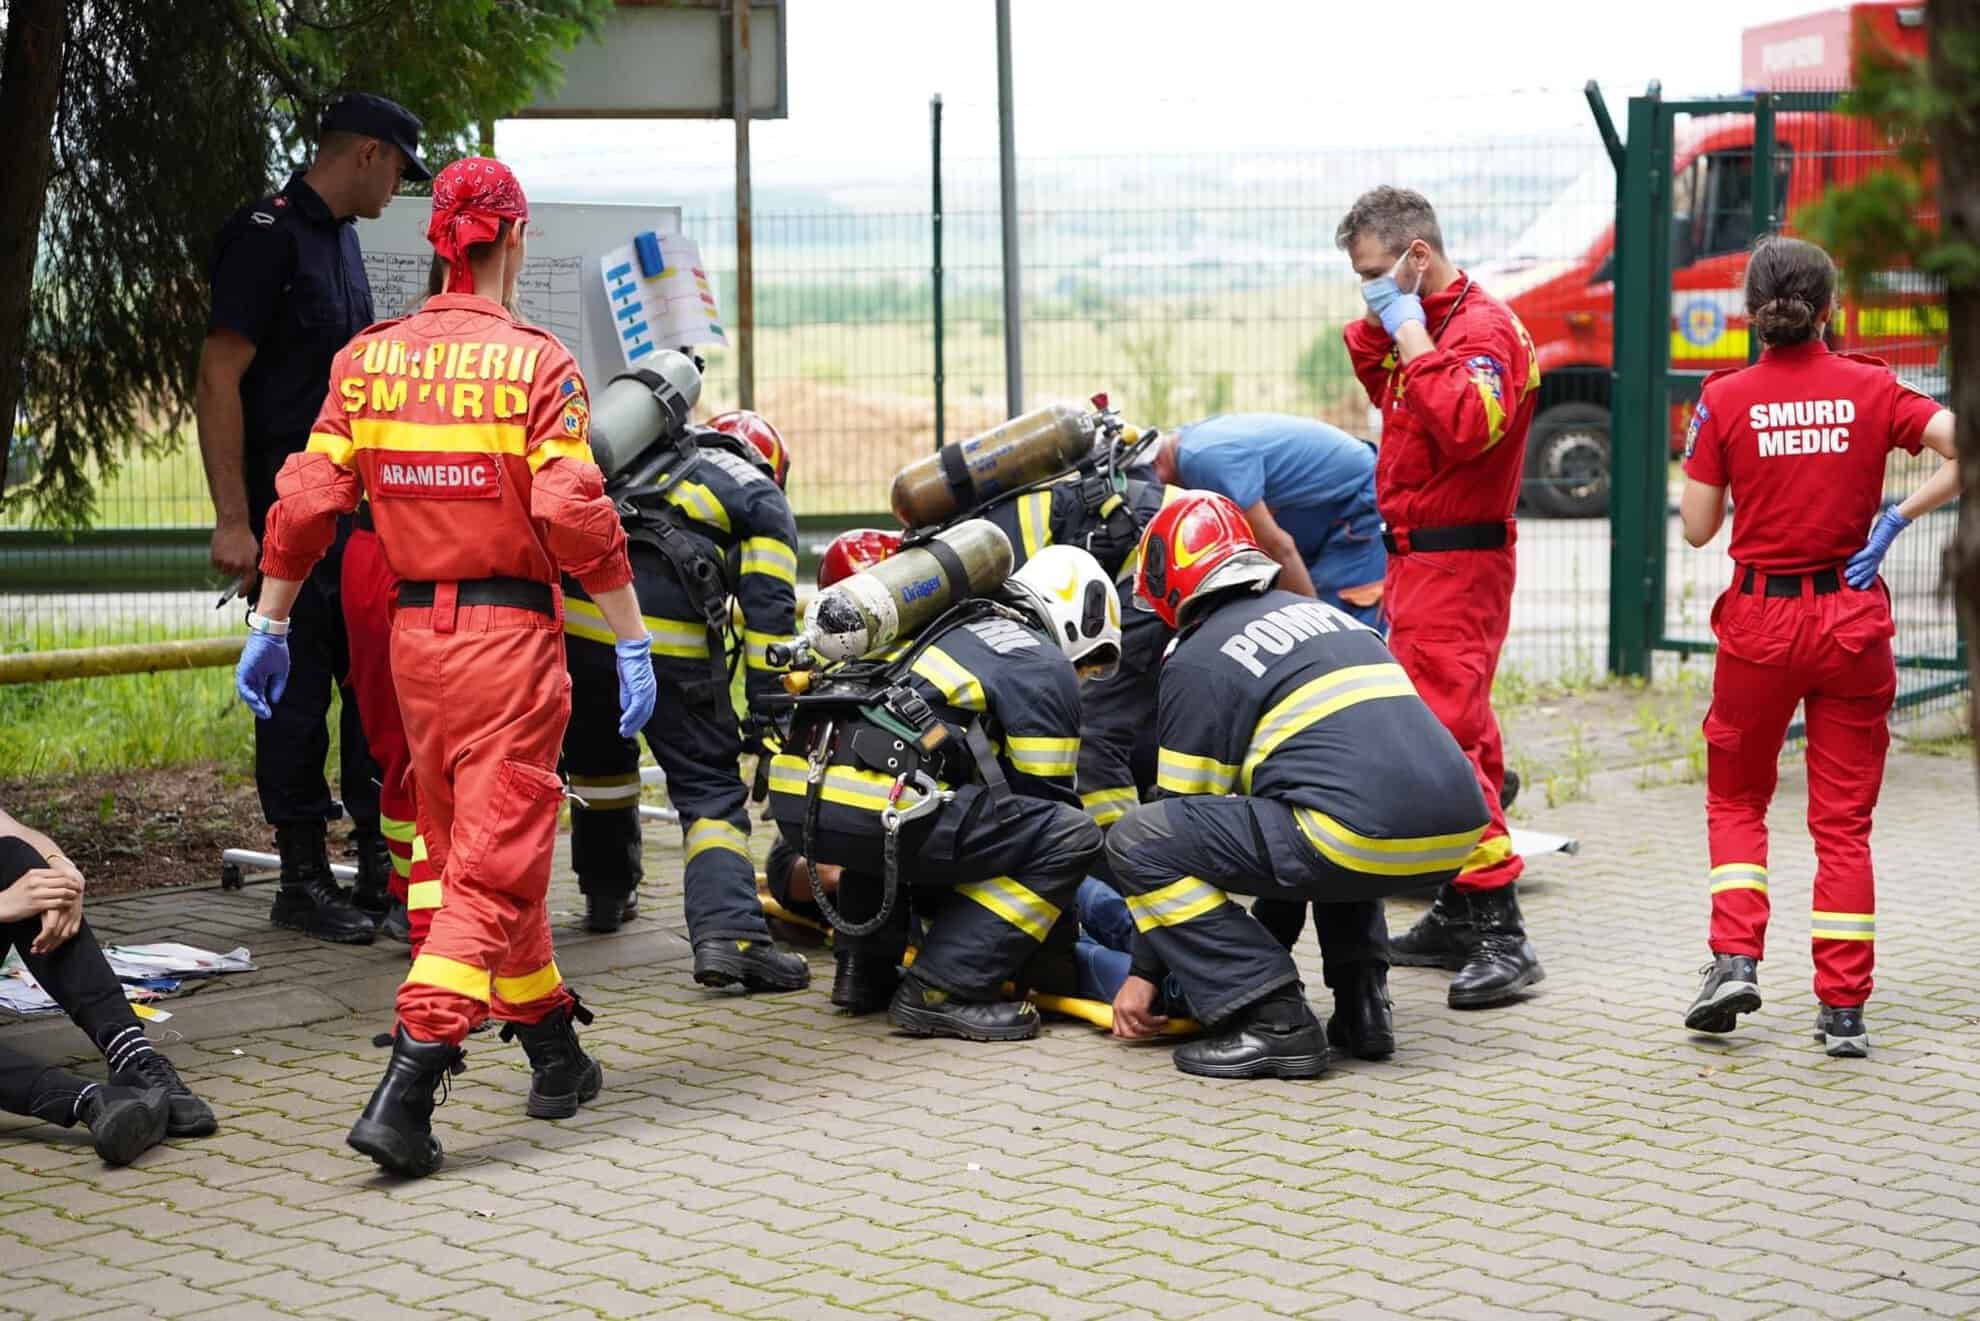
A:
{"points": [[990, 883], [291, 746], [79, 978], [1178, 861]]}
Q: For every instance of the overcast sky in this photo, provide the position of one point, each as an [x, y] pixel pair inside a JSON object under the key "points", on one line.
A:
{"points": [[1148, 77]]}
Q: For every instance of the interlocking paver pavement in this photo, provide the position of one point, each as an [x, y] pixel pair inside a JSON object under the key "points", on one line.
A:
{"points": [[1577, 1155]]}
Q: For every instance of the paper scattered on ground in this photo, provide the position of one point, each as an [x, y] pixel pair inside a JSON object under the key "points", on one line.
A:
{"points": [[1532, 843], [147, 971]]}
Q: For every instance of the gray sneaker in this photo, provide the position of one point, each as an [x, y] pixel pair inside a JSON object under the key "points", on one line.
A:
{"points": [[1731, 987], [1841, 1030]]}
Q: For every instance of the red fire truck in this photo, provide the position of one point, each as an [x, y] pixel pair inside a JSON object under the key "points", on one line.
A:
{"points": [[1567, 301]]}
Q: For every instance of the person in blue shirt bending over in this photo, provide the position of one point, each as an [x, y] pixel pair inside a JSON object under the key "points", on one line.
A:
{"points": [[1308, 491]]}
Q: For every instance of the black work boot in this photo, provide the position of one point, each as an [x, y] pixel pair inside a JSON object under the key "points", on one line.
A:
{"points": [[1508, 788], [1363, 1022], [372, 894], [606, 913], [397, 923], [124, 1122], [1499, 961], [921, 1010], [309, 899], [1440, 938], [1731, 987], [1842, 1031], [1277, 1037], [758, 964], [562, 1077], [135, 1064], [396, 1128], [862, 981]]}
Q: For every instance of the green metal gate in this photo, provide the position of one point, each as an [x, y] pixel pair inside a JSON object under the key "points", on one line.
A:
{"points": [[1649, 612]]}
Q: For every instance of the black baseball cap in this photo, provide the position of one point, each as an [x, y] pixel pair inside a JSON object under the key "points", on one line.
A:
{"points": [[376, 117]]}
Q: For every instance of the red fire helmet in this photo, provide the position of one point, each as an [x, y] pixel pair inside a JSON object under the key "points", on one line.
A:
{"points": [[756, 429], [1197, 544], [855, 551]]}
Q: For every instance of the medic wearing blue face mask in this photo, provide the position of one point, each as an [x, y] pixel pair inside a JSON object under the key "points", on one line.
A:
{"points": [[1456, 378]]}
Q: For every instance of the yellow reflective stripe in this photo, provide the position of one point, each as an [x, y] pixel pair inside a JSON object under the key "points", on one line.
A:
{"points": [[422, 895], [337, 447], [1187, 773], [606, 792], [1175, 903], [1316, 700], [1021, 907], [1488, 853], [712, 833], [847, 786], [957, 685], [401, 867], [395, 829], [1034, 521], [1843, 926], [1739, 876], [419, 848], [771, 558], [449, 975], [372, 433], [1384, 857], [700, 504], [756, 648], [530, 986], [1106, 806], [558, 449], [1043, 756], [684, 638]]}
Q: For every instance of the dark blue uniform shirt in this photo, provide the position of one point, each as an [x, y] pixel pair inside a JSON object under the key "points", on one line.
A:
{"points": [[287, 275]]}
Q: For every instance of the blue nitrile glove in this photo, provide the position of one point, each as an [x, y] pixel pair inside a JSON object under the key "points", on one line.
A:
{"points": [[1861, 570], [637, 687], [1405, 308], [263, 672]]}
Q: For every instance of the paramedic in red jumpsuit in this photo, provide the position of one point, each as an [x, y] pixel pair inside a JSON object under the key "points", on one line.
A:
{"points": [[1456, 378], [468, 433], [1800, 440]]}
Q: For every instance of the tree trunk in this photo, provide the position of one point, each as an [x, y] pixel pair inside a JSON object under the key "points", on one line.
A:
{"points": [[30, 86], [1953, 27]]}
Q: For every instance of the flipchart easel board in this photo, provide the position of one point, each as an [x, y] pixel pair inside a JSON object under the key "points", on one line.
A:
{"points": [[560, 289]]}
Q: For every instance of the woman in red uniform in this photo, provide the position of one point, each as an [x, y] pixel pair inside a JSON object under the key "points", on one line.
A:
{"points": [[1800, 440]]}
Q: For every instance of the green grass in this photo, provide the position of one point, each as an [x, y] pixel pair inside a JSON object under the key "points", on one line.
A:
{"points": [[125, 722]]}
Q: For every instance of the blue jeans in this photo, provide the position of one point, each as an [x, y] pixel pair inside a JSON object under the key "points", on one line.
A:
{"points": [[1106, 936]]}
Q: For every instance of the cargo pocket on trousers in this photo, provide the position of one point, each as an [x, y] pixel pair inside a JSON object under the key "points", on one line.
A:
{"points": [[1756, 630], [1721, 735], [512, 851], [1864, 620]]}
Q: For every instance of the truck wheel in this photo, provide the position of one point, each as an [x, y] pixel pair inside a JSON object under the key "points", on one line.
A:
{"points": [[1567, 462]]}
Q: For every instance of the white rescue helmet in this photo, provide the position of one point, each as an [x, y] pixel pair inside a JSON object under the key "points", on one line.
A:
{"points": [[1075, 600]]}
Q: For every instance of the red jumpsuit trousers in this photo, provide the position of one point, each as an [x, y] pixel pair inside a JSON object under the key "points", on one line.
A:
{"points": [[1448, 616], [485, 698], [1832, 654], [367, 598]]}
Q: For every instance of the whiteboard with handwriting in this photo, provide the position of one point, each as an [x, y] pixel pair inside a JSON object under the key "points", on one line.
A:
{"points": [[559, 289]]}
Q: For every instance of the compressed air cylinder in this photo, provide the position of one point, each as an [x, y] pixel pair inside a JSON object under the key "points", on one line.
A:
{"points": [[640, 407], [897, 597], [963, 475]]}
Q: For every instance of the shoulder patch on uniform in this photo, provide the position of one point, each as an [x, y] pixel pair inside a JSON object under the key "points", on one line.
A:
{"points": [[1698, 417], [570, 385], [1489, 375]]}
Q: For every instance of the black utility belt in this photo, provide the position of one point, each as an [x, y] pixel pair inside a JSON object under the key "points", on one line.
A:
{"points": [[1823, 582], [517, 593], [1460, 536]]}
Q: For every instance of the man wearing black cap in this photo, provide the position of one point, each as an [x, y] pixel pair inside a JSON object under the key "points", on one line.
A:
{"points": [[289, 290]]}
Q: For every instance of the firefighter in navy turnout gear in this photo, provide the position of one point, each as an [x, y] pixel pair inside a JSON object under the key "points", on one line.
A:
{"points": [[1296, 762], [706, 523], [1100, 504], [940, 776]]}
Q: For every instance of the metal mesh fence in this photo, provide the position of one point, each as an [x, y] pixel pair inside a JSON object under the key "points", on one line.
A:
{"points": [[1180, 285]]}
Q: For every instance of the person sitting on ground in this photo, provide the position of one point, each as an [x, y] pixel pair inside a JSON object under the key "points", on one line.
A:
{"points": [[41, 915]]}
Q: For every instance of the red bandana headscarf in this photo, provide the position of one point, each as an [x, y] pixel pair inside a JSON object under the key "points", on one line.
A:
{"points": [[471, 198]]}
